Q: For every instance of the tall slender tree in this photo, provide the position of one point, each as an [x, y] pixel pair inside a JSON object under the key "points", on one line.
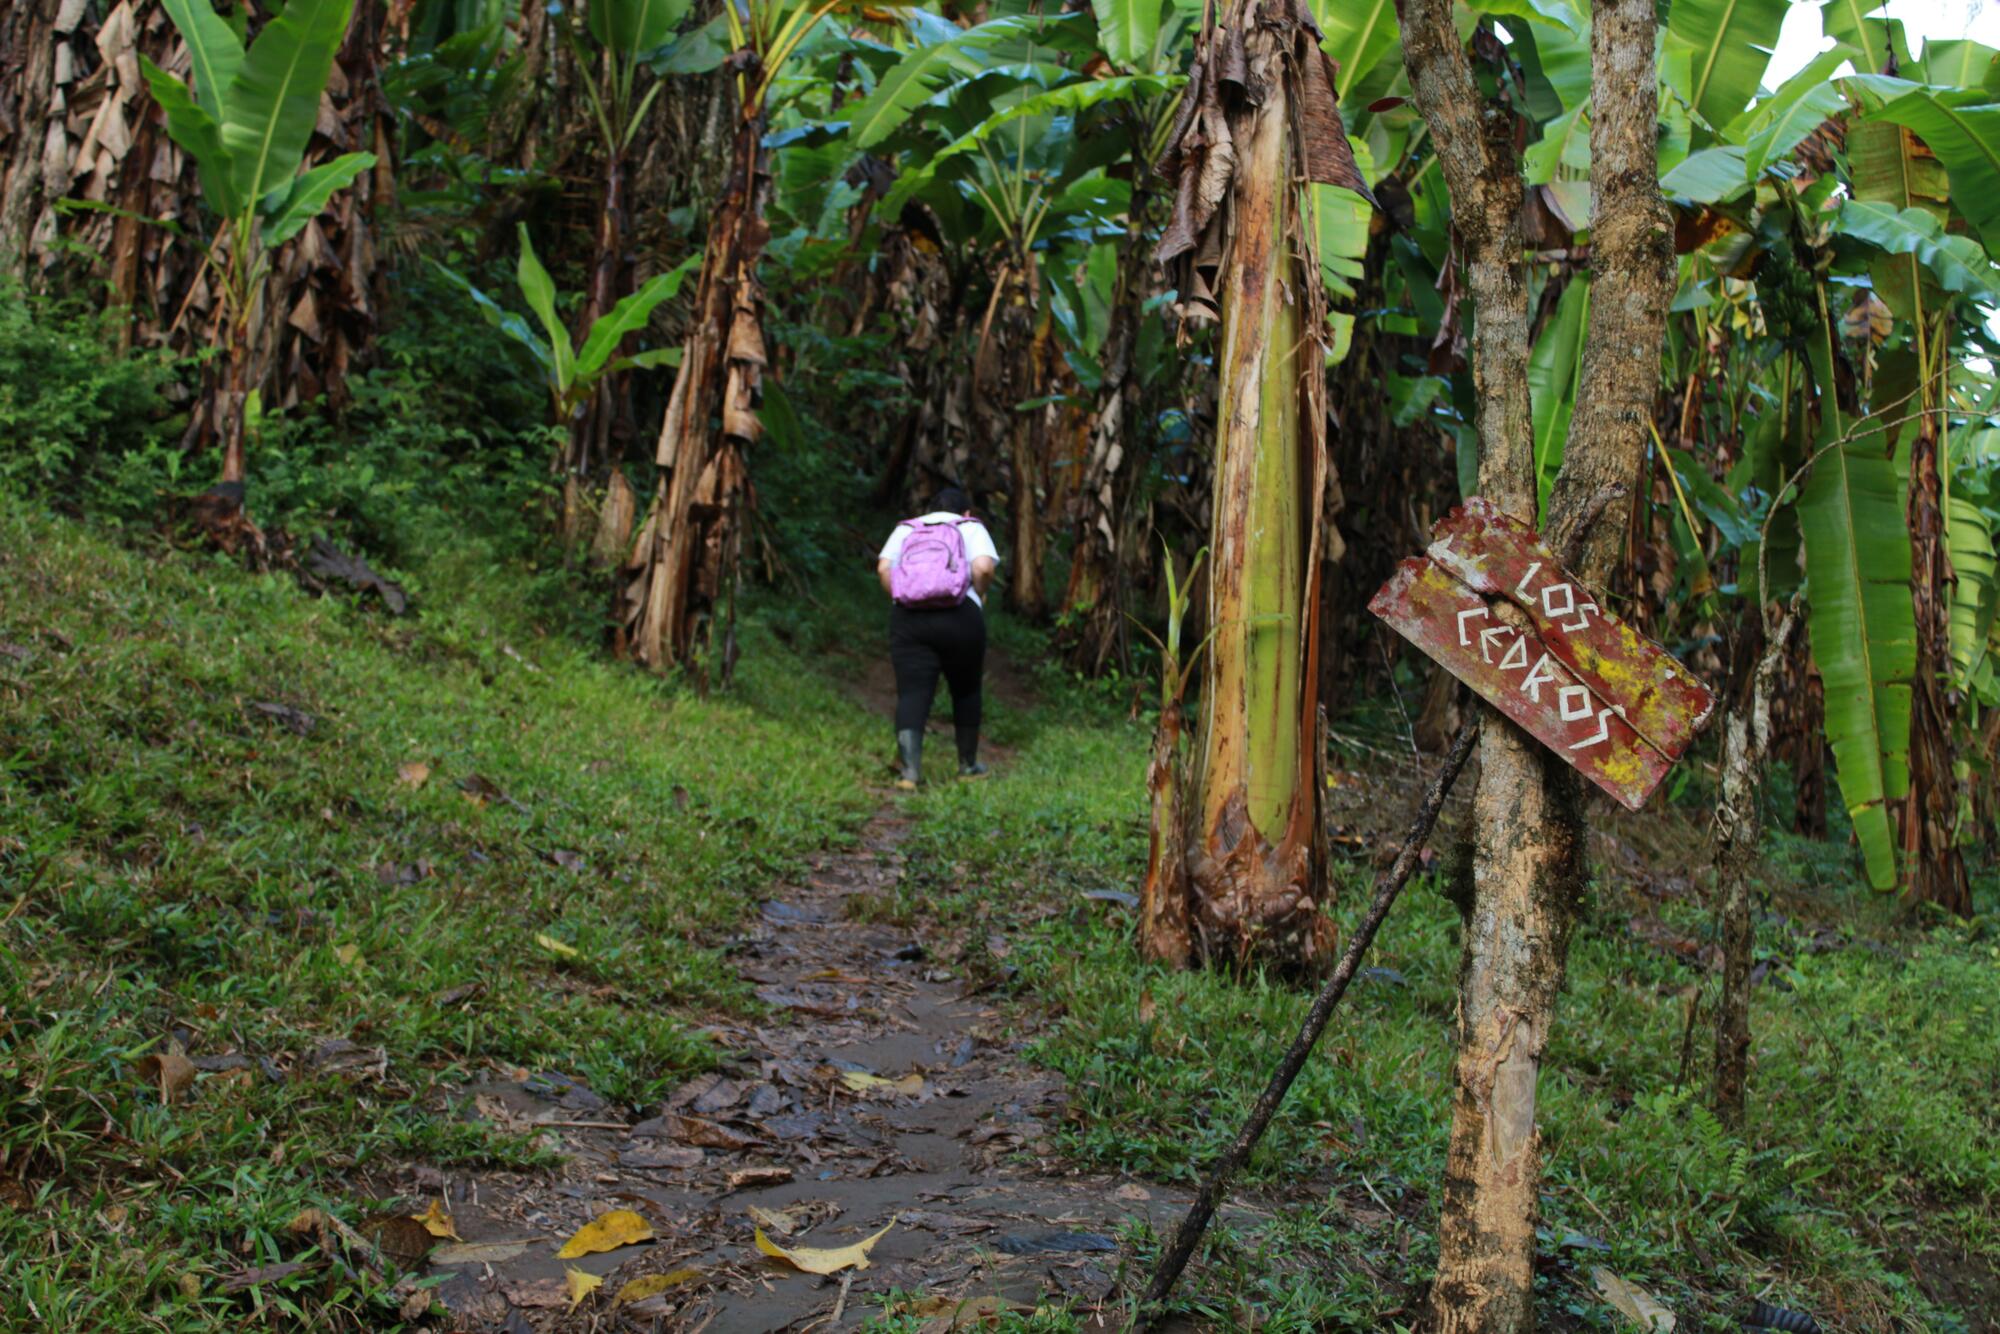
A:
{"points": [[1527, 854]]}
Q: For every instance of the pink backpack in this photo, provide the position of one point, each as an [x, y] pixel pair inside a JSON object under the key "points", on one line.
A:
{"points": [[932, 570]]}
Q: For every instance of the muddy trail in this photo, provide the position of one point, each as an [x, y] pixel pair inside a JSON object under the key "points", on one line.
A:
{"points": [[888, 1091]]}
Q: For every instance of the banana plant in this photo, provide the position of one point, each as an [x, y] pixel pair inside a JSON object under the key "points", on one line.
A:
{"points": [[622, 38], [573, 374], [676, 596], [246, 123]]}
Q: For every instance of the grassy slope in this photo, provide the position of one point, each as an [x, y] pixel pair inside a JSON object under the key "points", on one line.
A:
{"points": [[174, 861], [1872, 1148], [171, 859]]}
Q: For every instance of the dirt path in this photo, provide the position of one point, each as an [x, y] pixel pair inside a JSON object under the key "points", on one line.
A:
{"points": [[954, 1152]]}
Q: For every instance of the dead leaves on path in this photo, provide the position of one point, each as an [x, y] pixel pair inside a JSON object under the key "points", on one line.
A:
{"points": [[607, 1232], [813, 1260]]}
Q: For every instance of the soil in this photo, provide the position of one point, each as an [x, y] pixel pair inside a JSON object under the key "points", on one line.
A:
{"points": [[953, 1159]]}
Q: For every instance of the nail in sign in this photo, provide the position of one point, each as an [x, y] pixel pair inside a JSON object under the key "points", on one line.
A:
{"points": [[1610, 702]]}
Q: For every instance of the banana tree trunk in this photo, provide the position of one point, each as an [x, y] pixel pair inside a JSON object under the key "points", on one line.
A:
{"points": [[1934, 865], [1526, 821], [681, 580], [1746, 739], [1028, 450], [1093, 600], [1258, 117], [590, 430]]}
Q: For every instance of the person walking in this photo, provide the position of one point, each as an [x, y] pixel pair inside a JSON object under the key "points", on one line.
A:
{"points": [[935, 569]]}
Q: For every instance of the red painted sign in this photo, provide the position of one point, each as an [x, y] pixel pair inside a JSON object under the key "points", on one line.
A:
{"points": [[1612, 704]]}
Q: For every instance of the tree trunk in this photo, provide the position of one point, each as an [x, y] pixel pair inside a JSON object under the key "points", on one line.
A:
{"points": [[1746, 739], [681, 578], [1164, 931], [1930, 819], [1257, 118], [1526, 820], [589, 432], [1028, 437], [1093, 603]]}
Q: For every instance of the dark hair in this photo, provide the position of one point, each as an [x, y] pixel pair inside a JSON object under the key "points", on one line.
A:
{"points": [[951, 499]]}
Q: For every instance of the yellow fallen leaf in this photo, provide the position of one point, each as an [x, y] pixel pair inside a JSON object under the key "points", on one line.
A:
{"points": [[414, 774], [652, 1285], [479, 1253], [1632, 1301], [555, 946], [908, 1086], [347, 954], [437, 1222], [815, 1261], [580, 1285], [606, 1232]]}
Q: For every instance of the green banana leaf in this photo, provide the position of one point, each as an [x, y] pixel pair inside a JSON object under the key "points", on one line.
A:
{"points": [[1553, 367], [1962, 64], [215, 52], [291, 206], [1730, 43], [1779, 123], [912, 80], [1956, 262], [630, 315], [1965, 135], [199, 134], [1860, 620], [1874, 40], [540, 292], [506, 321], [1969, 542], [1069, 99], [634, 27], [273, 105], [1128, 30], [1359, 37]]}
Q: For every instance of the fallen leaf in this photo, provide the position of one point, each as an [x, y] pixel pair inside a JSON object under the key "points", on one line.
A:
{"points": [[652, 1285], [437, 1222], [169, 1071], [1132, 1191], [1633, 1302], [813, 1260], [479, 1252], [542, 1293], [555, 946], [759, 1176], [347, 954], [857, 1081], [953, 1313], [580, 1285], [459, 995], [784, 1222], [708, 1134], [404, 1240], [414, 774], [606, 1232]]}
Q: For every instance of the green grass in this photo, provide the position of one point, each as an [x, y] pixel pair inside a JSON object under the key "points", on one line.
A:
{"points": [[1873, 1135], [177, 864]]}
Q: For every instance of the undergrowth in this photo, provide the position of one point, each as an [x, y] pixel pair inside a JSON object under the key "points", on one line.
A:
{"points": [[246, 824]]}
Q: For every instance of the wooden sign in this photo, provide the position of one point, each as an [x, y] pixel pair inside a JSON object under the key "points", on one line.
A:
{"points": [[1613, 704]]}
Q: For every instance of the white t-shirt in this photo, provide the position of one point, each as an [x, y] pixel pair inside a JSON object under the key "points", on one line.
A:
{"points": [[978, 542]]}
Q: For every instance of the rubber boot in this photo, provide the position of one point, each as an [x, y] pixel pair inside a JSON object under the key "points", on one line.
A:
{"points": [[968, 753], [910, 749]]}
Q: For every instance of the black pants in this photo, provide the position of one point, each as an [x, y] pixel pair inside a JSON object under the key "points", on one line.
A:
{"points": [[923, 643]]}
